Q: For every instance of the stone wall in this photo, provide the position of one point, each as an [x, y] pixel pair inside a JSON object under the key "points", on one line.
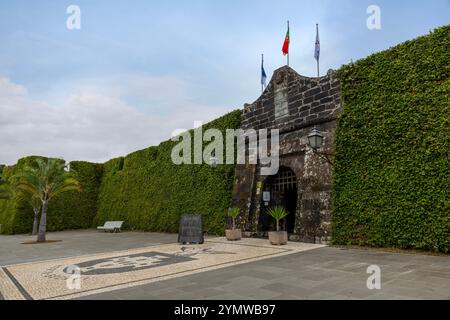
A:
{"points": [[309, 101], [293, 104]]}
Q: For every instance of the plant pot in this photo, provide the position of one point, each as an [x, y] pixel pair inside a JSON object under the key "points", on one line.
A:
{"points": [[278, 237], [233, 234]]}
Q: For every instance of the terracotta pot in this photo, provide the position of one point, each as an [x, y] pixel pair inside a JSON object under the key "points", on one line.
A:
{"points": [[233, 234], [278, 237]]}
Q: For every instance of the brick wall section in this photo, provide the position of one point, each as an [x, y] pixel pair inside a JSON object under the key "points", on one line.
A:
{"points": [[310, 101]]}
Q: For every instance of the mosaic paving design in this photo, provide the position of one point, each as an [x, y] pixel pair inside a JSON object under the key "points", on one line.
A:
{"points": [[121, 269]]}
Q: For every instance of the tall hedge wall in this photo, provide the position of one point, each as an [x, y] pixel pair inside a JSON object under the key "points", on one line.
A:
{"points": [[392, 172], [71, 210], [149, 192], [7, 207], [77, 210]]}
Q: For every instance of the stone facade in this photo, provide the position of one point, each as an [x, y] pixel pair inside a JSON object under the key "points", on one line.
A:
{"points": [[293, 104]]}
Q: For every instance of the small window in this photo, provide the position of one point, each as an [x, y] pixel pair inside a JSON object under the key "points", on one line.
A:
{"points": [[285, 180]]}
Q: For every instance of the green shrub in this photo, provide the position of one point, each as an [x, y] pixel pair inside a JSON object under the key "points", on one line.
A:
{"points": [[392, 172]]}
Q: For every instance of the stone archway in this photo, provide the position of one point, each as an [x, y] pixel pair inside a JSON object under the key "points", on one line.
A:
{"points": [[283, 191]]}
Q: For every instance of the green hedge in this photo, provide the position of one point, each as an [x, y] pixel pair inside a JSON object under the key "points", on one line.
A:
{"points": [[7, 207], [76, 210], [71, 210], [149, 192], [392, 172]]}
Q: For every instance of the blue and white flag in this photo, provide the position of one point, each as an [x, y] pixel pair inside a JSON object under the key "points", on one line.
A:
{"points": [[263, 72], [317, 48]]}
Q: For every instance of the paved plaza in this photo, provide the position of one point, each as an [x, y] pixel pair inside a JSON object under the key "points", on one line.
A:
{"points": [[139, 265]]}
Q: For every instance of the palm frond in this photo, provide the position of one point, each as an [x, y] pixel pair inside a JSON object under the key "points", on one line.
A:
{"points": [[36, 203], [277, 213], [233, 212], [64, 188], [28, 187], [46, 178]]}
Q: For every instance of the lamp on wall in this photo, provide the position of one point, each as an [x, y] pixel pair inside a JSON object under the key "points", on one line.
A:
{"points": [[315, 141]]}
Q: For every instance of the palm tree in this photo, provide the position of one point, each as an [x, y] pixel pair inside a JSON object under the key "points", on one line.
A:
{"points": [[7, 192], [277, 213], [45, 181], [36, 204], [233, 213]]}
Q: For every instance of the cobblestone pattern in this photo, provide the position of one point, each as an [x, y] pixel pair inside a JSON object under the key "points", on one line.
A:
{"points": [[105, 272]]}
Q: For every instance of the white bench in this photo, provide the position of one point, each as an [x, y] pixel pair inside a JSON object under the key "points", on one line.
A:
{"points": [[111, 226]]}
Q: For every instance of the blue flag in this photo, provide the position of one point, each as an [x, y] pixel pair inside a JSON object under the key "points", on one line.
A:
{"points": [[317, 48], [263, 73]]}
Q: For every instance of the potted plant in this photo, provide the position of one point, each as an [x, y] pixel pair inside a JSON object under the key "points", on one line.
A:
{"points": [[278, 237], [233, 233]]}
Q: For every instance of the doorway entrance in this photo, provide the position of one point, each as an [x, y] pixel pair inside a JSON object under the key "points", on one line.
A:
{"points": [[283, 192]]}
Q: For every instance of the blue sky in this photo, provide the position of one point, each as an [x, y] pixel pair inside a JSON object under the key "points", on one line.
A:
{"points": [[160, 65]]}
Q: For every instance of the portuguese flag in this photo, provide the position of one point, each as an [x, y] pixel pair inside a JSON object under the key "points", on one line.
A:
{"points": [[285, 48]]}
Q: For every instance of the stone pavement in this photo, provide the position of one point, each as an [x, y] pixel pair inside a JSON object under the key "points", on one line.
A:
{"points": [[75, 243], [322, 273]]}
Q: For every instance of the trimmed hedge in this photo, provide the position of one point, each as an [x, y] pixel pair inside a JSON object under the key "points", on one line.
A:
{"points": [[77, 210], [392, 172], [7, 207], [150, 193], [70, 210]]}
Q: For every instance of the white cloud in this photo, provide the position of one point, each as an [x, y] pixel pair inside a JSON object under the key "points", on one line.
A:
{"points": [[98, 122]]}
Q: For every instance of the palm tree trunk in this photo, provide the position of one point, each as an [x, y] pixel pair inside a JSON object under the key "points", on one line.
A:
{"points": [[35, 222], [43, 222], [278, 226]]}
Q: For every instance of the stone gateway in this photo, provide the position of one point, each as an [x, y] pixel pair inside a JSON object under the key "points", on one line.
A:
{"points": [[294, 104]]}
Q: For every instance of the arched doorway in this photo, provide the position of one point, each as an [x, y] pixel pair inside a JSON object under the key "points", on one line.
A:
{"points": [[282, 188]]}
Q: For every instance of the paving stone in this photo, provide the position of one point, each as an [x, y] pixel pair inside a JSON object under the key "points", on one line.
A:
{"points": [[292, 290], [324, 273]]}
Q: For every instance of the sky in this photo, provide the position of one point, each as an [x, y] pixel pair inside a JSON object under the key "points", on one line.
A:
{"points": [[138, 70]]}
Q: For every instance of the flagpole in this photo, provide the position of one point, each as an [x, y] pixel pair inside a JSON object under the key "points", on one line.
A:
{"points": [[289, 41], [317, 32], [318, 75], [262, 63]]}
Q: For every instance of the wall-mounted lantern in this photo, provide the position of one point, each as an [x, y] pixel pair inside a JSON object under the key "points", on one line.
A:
{"points": [[315, 141]]}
